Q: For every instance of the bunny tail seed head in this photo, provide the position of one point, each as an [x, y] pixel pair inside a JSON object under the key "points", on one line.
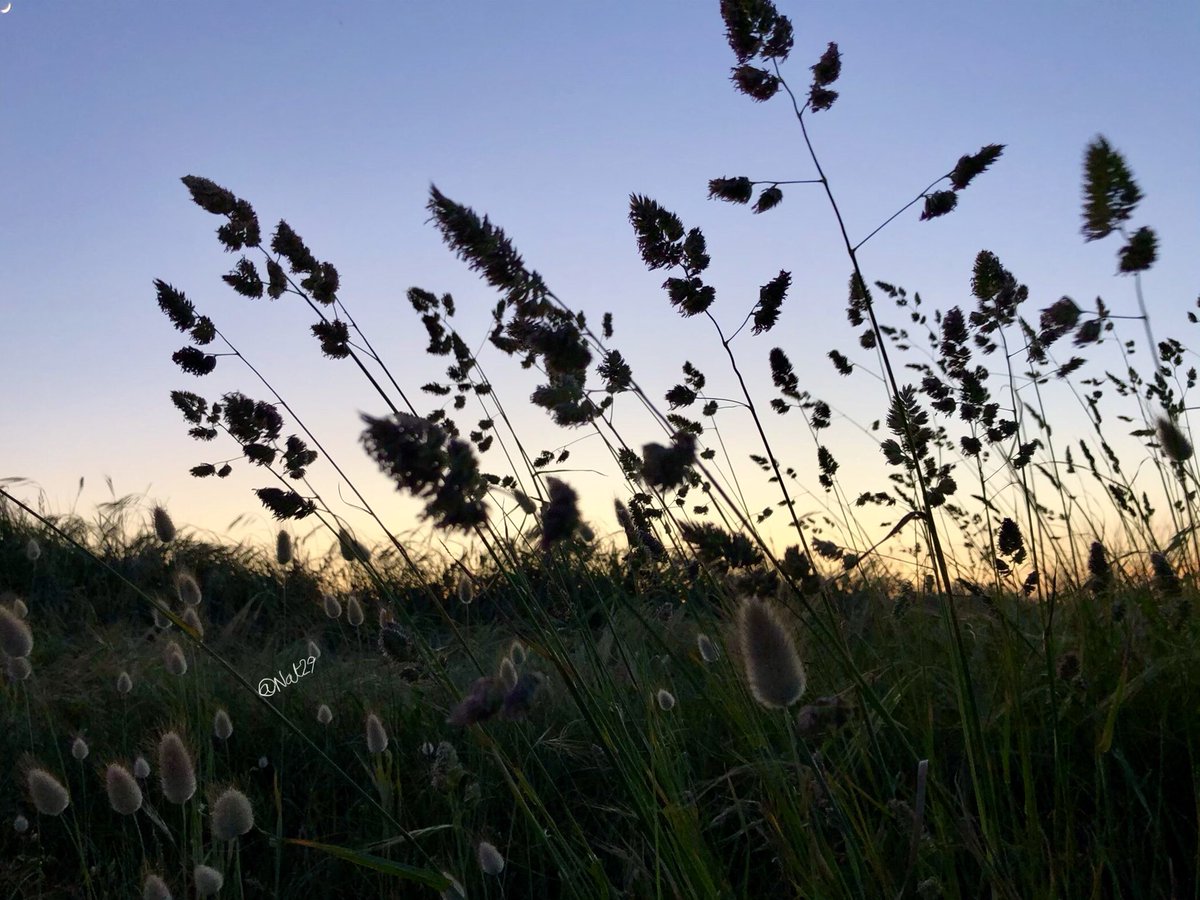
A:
{"points": [[377, 739], [666, 700], [33, 550], [79, 749], [175, 767], [174, 659], [16, 640], [124, 795], [490, 860], [18, 668], [155, 888], [324, 714], [354, 611], [191, 618], [47, 793], [283, 548], [164, 528], [20, 824], [773, 668], [141, 768], [508, 673], [208, 881], [222, 725], [516, 652], [232, 815], [708, 650], [333, 608], [188, 589], [124, 683]]}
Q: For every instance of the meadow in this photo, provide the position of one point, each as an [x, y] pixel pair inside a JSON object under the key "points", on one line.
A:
{"points": [[993, 694]]}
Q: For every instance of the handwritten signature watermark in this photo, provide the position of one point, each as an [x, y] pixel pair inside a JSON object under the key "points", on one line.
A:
{"points": [[268, 686]]}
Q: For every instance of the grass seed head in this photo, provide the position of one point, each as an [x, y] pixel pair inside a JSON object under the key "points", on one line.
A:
{"points": [[283, 548], [313, 650], [124, 795], [18, 668], [708, 650], [155, 888], [20, 610], [16, 639], [188, 589], [333, 608], [164, 528], [455, 891], [208, 881], [465, 588], [124, 683], [79, 748], [222, 725], [666, 700], [324, 714], [46, 792], [508, 673], [20, 824], [232, 815], [354, 611], [377, 739], [141, 768], [1173, 441], [773, 668], [33, 550], [175, 765], [192, 619], [516, 652], [174, 659], [490, 860]]}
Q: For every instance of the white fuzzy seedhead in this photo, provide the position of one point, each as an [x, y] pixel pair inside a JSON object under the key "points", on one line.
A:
{"points": [[666, 700], [154, 888], [222, 725], [324, 714], [232, 815], [490, 860], [16, 640], [124, 794], [124, 683], [176, 772], [377, 739], [773, 668], [47, 793], [208, 881]]}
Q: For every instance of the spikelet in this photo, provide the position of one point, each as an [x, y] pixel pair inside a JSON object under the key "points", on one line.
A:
{"points": [[773, 668], [124, 683], [141, 768], [354, 611], [377, 739], [333, 608], [208, 881], [33, 550], [164, 528], [16, 639], [508, 673], [324, 714], [79, 748], [124, 795], [708, 650], [188, 589], [490, 860], [46, 792], [20, 824], [191, 619], [177, 775], [18, 668], [666, 700], [222, 725], [174, 659], [283, 548], [232, 815], [154, 888]]}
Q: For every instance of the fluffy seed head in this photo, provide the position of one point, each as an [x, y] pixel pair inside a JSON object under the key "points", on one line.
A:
{"points": [[324, 714], [313, 650], [188, 589], [490, 860], [222, 726], [164, 528], [773, 668], [124, 795], [465, 588], [124, 683], [666, 700], [155, 888], [208, 881], [175, 765], [141, 768], [20, 824], [232, 815], [1173, 441], [192, 619], [174, 659], [333, 608], [15, 637], [47, 793], [79, 749], [354, 611], [508, 673], [516, 652], [283, 548], [33, 550], [377, 739], [20, 610], [708, 650], [161, 621], [18, 668]]}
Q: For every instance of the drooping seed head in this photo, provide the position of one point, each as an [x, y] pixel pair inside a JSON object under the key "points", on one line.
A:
{"points": [[46, 792], [666, 700], [154, 888], [164, 528], [508, 673], [141, 768], [124, 683], [177, 775], [222, 725], [20, 824], [333, 608], [324, 714], [773, 668], [79, 748], [124, 794], [377, 739], [18, 668], [708, 650], [232, 815], [283, 548], [208, 881], [174, 659], [354, 611], [191, 618], [16, 639], [188, 589], [490, 860]]}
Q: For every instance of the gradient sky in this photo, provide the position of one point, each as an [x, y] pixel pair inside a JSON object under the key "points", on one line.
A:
{"points": [[337, 116]]}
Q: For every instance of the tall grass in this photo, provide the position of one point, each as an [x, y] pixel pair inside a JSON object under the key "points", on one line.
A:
{"points": [[692, 711]]}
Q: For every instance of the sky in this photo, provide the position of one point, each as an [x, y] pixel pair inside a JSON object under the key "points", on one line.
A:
{"points": [[546, 116]]}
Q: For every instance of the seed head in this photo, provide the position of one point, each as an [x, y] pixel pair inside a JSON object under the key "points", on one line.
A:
{"points": [[222, 726], [164, 528], [560, 517], [141, 768], [208, 881], [232, 815], [773, 668], [155, 888], [18, 668], [456, 891], [313, 650], [666, 700], [333, 608], [188, 589], [354, 611], [1165, 578], [161, 621], [79, 749], [175, 765], [124, 795], [516, 652], [465, 588], [324, 714], [124, 683], [47, 793], [1173, 441], [20, 824], [33, 550], [490, 860], [708, 650], [283, 548], [174, 659], [377, 739], [20, 610], [16, 639], [192, 619]]}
